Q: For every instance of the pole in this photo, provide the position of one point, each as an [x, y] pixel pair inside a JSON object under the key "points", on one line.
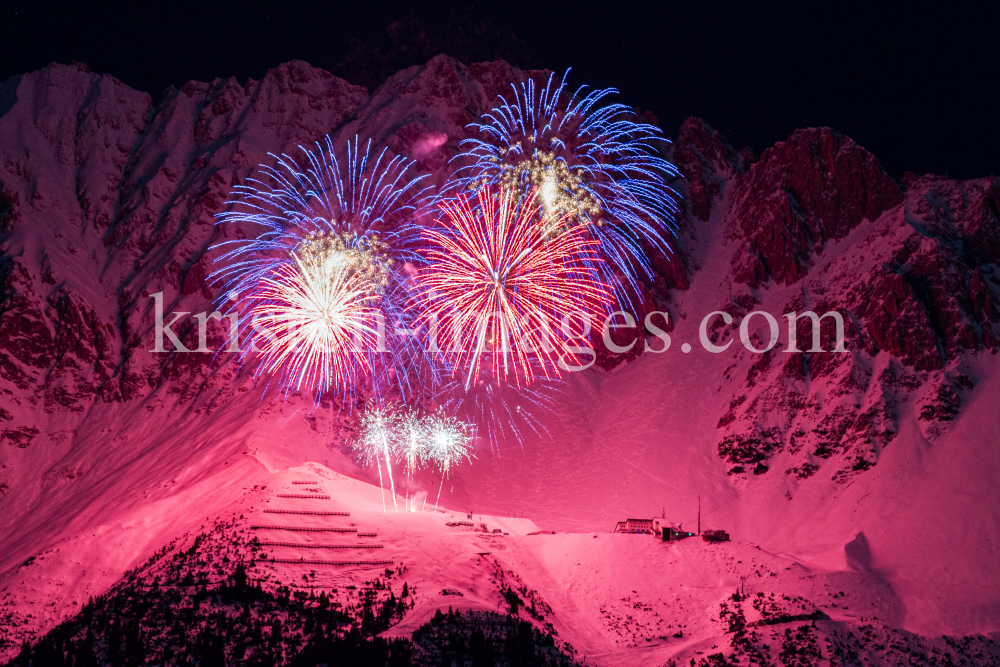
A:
{"points": [[699, 514]]}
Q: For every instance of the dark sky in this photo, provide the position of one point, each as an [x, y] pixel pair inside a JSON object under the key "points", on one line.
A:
{"points": [[918, 86]]}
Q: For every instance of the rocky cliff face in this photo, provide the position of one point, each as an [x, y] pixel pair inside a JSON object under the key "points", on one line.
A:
{"points": [[816, 225]]}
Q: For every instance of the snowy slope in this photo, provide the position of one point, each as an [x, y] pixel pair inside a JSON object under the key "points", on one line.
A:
{"points": [[608, 599]]}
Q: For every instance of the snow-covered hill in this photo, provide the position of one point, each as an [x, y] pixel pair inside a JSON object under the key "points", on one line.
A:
{"points": [[875, 467]]}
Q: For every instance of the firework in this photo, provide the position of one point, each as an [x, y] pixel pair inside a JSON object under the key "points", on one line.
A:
{"points": [[501, 413], [448, 442], [318, 315], [592, 164], [378, 442], [414, 439], [319, 278], [388, 433], [500, 292]]}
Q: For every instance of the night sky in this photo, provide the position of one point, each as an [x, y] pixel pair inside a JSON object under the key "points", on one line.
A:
{"points": [[918, 86]]}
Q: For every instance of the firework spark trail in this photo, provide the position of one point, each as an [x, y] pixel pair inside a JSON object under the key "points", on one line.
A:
{"points": [[387, 432], [437, 501], [316, 284], [589, 159], [503, 413], [388, 468], [493, 273], [449, 441], [379, 435], [414, 439], [414, 445], [381, 483]]}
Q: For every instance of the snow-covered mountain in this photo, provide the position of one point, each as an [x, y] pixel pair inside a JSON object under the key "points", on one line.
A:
{"points": [[876, 465]]}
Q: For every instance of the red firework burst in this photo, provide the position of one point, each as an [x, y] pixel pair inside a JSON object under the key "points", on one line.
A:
{"points": [[505, 292]]}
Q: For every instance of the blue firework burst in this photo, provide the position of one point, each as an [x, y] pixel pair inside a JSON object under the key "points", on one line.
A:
{"points": [[319, 283], [358, 193], [587, 157], [500, 413]]}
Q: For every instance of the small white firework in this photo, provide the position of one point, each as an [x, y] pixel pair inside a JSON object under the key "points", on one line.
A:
{"points": [[379, 441], [414, 440], [449, 441]]}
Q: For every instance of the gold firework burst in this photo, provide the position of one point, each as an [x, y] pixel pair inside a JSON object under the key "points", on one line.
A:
{"points": [[562, 191], [346, 251]]}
